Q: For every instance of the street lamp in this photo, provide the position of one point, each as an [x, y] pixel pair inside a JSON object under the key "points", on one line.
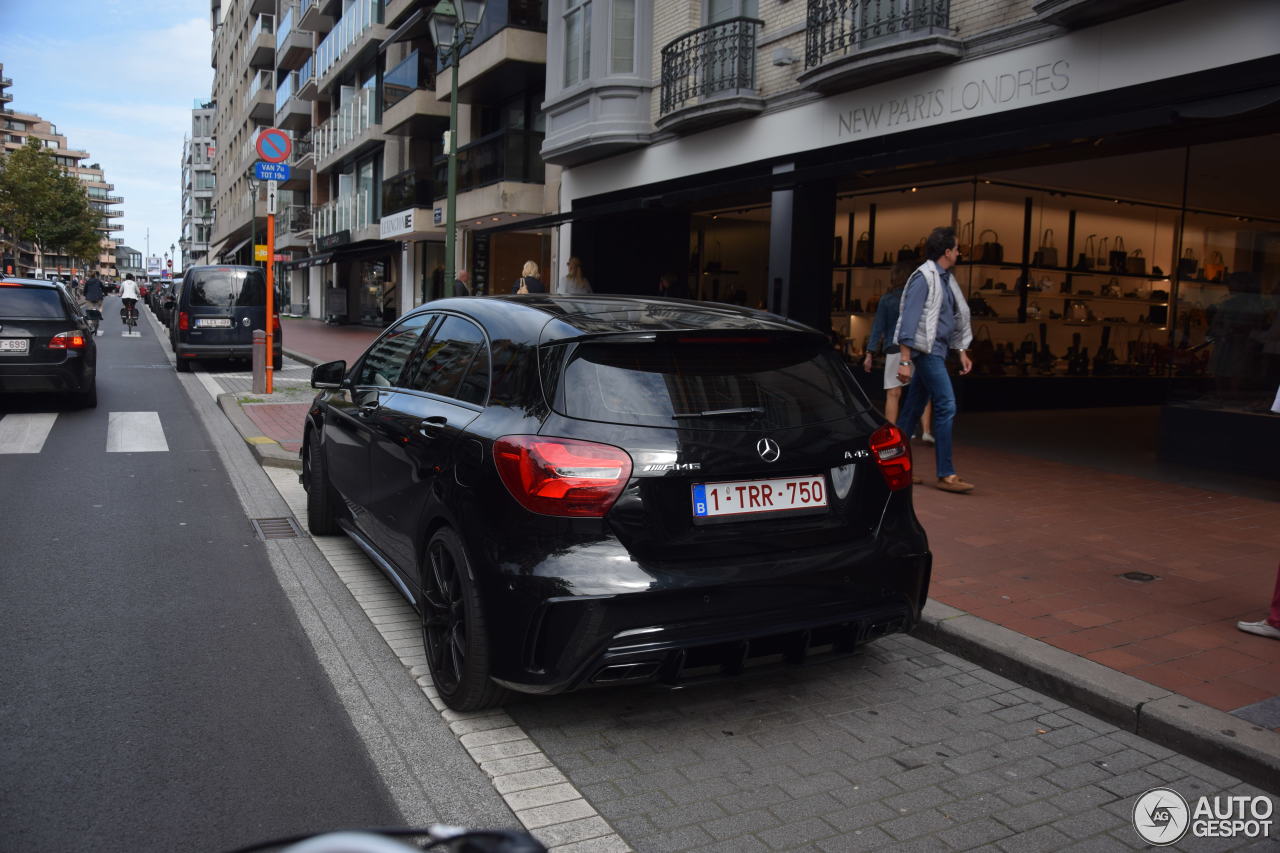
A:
{"points": [[451, 36]]}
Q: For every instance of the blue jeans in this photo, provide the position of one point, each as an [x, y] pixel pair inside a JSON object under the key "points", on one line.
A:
{"points": [[929, 381]]}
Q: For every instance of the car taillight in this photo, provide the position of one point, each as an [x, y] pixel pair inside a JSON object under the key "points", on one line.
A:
{"points": [[562, 476], [184, 322], [67, 340], [275, 326], [893, 455]]}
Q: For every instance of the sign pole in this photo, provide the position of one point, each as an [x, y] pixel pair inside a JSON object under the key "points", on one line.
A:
{"points": [[271, 296]]}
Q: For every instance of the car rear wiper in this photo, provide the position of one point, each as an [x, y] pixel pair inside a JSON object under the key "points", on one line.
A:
{"points": [[717, 413]]}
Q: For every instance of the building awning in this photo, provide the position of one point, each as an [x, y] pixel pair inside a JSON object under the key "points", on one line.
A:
{"points": [[312, 261], [237, 247]]}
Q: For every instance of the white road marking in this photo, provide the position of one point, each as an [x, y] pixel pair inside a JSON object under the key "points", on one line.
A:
{"points": [[25, 433], [135, 432]]}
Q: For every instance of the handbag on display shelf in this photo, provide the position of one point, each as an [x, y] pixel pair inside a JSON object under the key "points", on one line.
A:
{"points": [[1077, 312], [964, 239], [862, 249], [1187, 264], [1047, 254], [1102, 260], [1111, 289], [1135, 263], [906, 253], [990, 251], [1119, 256], [1159, 296], [982, 351], [1215, 268], [1085, 261]]}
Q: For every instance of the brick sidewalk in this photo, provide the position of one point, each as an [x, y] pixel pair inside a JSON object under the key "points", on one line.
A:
{"points": [[1040, 548]]}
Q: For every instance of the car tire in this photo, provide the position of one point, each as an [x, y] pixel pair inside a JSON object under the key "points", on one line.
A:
{"points": [[278, 363], [453, 627], [182, 365], [322, 520]]}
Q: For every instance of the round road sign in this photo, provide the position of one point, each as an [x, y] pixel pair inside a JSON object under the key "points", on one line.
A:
{"points": [[274, 145]]}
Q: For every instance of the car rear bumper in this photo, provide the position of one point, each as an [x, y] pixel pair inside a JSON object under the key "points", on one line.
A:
{"points": [[674, 634], [218, 351], [52, 378]]}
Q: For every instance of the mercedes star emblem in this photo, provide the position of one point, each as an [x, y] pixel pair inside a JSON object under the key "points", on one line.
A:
{"points": [[768, 449]]}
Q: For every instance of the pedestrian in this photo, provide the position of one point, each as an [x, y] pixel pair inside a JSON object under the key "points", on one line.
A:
{"points": [[933, 320], [882, 330], [670, 284], [94, 292], [529, 281], [462, 283], [575, 283], [1270, 626]]}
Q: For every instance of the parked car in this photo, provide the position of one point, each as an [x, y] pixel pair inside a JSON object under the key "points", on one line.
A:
{"points": [[46, 344], [216, 310], [159, 300], [579, 491]]}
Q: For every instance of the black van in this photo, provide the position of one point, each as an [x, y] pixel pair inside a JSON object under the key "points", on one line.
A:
{"points": [[214, 312]]}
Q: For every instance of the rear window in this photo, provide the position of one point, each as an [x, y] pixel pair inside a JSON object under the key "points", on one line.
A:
{"points": [[228, 289], [715, 386], [31, 303]]}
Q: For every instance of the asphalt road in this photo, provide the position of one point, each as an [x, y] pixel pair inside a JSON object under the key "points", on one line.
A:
{"points": [[157, 690]]}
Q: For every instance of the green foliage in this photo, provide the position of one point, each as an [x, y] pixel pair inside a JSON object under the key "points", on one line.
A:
{"points": [[41, 204]]}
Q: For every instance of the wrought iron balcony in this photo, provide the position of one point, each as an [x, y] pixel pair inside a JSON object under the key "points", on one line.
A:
{"points": [[712, 63], [852, 43]]}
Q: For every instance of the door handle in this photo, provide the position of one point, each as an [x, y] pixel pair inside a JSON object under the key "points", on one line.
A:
{"points": [[430, 427], [367, 409]]}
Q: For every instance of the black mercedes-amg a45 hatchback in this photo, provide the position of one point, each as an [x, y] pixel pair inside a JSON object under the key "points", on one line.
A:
{"points": [[579, 491]]}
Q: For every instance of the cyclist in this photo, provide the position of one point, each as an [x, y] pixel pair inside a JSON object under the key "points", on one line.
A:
{"points": [[129, 296]]}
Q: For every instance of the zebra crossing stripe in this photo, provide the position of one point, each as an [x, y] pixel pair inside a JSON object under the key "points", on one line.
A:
{"points": [[135, 432], [25, 433]]}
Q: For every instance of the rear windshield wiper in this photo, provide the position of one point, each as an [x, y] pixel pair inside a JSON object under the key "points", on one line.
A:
{"points": [[718, 413]]}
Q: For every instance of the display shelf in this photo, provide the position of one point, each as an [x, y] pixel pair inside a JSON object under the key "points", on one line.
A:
{"points": [[1044, 294], [1079, 273]]}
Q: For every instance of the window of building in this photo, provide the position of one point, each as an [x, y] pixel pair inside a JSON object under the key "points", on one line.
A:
{"points": [[622, 53], [723, 10], [577, 41]]}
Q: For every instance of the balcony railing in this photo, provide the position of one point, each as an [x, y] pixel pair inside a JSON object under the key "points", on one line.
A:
{"points": [[362, 15], [306, 71], [302, 148], [351, 120], [264, 24], [503, 14], [288, 86], [413, 188], [718, 59], [417, 71], [297, 219], [261, 80], [348, 213], [841, 27], [286, 27], [508, 155]]}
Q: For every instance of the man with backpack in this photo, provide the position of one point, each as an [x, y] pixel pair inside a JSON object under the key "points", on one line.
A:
{"points": [[94, 292]]}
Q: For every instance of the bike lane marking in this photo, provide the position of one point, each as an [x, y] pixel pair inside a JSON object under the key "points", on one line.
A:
{"points": [[25, 433], [135, 432]]}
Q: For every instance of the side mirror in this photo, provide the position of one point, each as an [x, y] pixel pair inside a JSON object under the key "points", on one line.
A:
{"points": [[328, 375]]}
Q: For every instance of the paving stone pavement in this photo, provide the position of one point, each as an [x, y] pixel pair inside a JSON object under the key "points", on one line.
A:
{"points": [[898, 747]]}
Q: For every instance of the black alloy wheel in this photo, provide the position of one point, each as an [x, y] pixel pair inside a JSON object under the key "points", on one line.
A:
{"points": [[453, 628], [322, 519]]}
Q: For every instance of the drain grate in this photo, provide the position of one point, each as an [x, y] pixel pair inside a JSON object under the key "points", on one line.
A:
{"points": [[1140, 577], [276, 528]]}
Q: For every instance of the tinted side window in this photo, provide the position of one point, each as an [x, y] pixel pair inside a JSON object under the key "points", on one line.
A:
{"points": [[384, 361], [456, 363]]}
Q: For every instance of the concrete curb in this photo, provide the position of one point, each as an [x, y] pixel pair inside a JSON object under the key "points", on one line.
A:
{"points": [[266, 450], [302, 357], [1214, 737]]}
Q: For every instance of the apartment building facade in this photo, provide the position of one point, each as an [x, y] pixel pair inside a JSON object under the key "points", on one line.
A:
{"points": [[198, 152], [23, 258]]}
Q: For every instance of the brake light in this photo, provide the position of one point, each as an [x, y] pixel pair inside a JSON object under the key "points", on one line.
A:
{"points": [[275, 325], [67, 340], [184, 322], [562, 476], [893, 455]]}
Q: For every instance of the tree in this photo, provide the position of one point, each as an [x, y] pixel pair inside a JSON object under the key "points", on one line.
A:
{"points": [[42, 204]]}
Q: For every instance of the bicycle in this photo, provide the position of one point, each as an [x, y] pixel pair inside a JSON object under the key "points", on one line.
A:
{"points": [[437, 836], [129, 315]]}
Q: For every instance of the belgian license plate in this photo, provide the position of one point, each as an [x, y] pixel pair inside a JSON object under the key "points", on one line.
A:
{"points": [[748, 497], [17, 345], [213, 322]]}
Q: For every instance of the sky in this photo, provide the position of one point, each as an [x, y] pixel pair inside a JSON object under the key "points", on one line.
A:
{"points": [[119, 79]]}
